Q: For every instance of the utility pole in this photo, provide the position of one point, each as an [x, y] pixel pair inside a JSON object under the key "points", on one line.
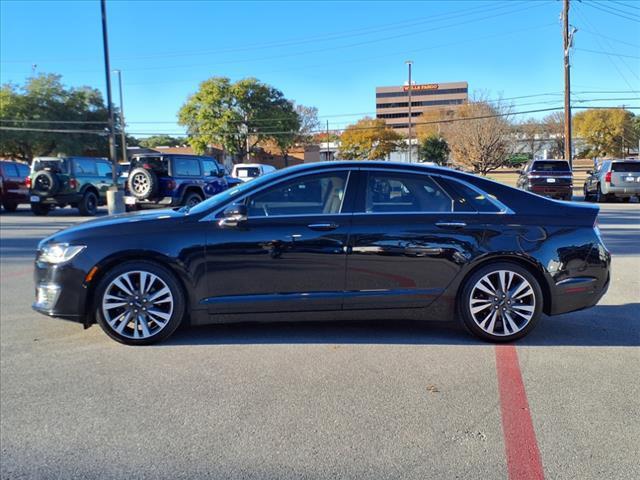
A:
{"points": [[567, 84], [123, 136], [409, 63], [115, 198]]}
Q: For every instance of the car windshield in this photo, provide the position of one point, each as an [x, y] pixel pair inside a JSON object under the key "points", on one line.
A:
{"points": [[248, 172], [158, 164], [552, 166], [625, 167], [58, 165]]}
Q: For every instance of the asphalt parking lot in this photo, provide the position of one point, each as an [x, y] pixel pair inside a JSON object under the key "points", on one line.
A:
{"points": [[309, 400]]}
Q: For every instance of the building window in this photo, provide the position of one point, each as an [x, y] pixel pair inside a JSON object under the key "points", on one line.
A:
{"points": [[429, 103], [417, 93]]}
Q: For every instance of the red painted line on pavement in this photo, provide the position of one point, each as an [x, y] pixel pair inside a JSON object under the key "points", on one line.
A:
{"points": [[523, 456]]}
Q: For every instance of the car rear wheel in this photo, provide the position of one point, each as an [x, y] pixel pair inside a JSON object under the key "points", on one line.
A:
{"points": [[501, 302], [40, 210], [601, 197], [587, 195], [139, 303], [10, 206], [88, 206], [192, 199]]}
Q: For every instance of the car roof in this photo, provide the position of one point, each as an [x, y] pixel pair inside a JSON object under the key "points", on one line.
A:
{"points": [[253, 165]]}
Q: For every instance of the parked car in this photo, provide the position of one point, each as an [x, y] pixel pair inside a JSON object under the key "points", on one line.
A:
{"points": [[172, 180], [13, 184], [613, 179], [250, 171], [550, 178], [81, 182], [331, 240]]}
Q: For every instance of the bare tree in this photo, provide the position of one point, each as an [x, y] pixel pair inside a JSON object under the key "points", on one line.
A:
{"points": [[309, 123], [530, 136], [553, 125], [479, 136]]}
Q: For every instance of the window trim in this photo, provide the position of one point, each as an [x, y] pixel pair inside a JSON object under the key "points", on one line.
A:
{"points": [[502, 208], [214, 214]]}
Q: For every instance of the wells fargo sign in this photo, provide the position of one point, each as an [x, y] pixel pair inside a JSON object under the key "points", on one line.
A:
{"points": [[424, 86]]}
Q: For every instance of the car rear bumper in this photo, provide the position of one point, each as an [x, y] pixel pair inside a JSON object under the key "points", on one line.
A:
{"points": [[552, 190], [626, 191], [65, 199]]}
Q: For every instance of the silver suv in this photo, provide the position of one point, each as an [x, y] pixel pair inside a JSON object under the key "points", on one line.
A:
{"points": [[613, 179]]}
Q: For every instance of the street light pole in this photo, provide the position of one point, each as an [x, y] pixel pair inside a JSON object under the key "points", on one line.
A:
{"points": [[115, 198], [123, 136], [409, 64]]}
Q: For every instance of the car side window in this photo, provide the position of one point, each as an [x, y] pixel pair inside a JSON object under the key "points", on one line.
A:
{"points": [[210, 168], [186, 167], [390, 192], [467, 199], [307, 195], [85, 167], [104, 169]]}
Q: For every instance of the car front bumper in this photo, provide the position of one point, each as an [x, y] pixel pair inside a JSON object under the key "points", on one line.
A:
{"points": [[60, 291]]}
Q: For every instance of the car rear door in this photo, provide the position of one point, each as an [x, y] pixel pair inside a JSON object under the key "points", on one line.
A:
{"points": [[408, 240], [289, 255]]}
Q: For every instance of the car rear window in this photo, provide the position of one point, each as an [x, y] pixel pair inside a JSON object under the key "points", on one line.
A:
{"points": [[555, 166], [158, 165], [247, 172], [467, 199], [23, 170], [625, 167], [9, 170], [55, 165]]}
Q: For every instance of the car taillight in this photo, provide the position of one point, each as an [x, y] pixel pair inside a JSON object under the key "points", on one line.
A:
{"points": [[27, 182], [607, 177], [73, 183], [171, 184]]}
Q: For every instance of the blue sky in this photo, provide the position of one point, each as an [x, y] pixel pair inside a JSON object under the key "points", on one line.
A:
{"points": [[330, 55]]}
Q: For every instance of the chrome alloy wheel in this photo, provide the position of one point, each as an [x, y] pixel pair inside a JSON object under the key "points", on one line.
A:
{"points": [[502, 303], [140, 183], [137, 304]]}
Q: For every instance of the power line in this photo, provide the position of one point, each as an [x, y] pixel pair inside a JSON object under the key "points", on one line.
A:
{"points": [[634, 7], [608, 53], [102, 122], [612, 11], [51, 130], [584, 30]]}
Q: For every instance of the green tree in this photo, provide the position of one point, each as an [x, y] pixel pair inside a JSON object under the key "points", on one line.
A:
{"points": [[433, 148], [161, 141], [368, 139], [606, 130], [30, 111], [238, 116]]}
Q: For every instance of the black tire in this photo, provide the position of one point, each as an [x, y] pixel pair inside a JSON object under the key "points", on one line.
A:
{"points": [[40, 210], [133, 268], [533, 301], [88, 206], [10, 206], [601, 197], [142, 183], [625, 199], [45, 183], [587, 195], [191, 199]]}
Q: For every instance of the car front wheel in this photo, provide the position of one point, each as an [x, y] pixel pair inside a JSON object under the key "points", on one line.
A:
{"points": [[139, 303], [501, 302]]}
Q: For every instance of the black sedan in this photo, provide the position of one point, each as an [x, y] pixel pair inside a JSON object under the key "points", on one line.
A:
{"points": [[334, 240]]}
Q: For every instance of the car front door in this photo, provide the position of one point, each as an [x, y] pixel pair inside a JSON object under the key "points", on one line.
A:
{"points": [[214, 181], [410, 237], [289, 254]]}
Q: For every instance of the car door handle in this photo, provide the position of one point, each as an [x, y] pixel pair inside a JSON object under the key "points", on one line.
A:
{"points": [[451, 224], [323, 226]]}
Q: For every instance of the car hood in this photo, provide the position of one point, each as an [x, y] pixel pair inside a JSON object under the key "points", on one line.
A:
{"points": [[116, 224]]}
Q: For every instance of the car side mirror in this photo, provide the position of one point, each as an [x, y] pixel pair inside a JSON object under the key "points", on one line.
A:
{"points": [[220, 173], [233, 216]]}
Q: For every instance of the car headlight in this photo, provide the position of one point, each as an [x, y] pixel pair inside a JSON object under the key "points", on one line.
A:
{"points": [[58, 253]]}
